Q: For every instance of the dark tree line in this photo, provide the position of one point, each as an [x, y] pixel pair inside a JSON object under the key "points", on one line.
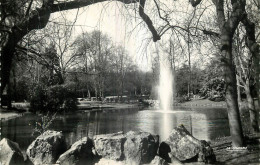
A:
{"points": [[98, 69]]}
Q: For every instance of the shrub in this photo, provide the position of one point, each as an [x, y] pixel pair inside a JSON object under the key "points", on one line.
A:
{"points": [[43, 124], [182, 99], [214, 90], [53, 98], [38, 98]]}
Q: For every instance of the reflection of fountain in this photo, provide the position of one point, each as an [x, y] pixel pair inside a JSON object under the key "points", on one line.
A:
{"points": [[166, 83], [168, 122]]}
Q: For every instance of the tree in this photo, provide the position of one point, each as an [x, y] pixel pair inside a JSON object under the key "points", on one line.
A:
{"points": [[183, 79], [54, 41], [253, 46], [122, 64], [60, 38], [94, 53], [245, 75], [213, 81], [227, 29]]}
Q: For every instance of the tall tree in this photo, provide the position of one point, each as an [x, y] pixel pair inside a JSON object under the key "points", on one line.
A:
{"points": [[253, 46], [94, 54], [246, 74], [227, 28]]}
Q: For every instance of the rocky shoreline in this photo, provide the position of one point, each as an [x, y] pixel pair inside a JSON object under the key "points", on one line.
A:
{"points": [[131, 148]]}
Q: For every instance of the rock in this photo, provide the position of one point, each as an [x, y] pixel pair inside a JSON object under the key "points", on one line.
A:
{"points": [[46, 148], [104, 161], [183, 146], [79, 153], [140, 148], [132, 148], [110, 146], [158, 161], [157, 142], [10, 153]]}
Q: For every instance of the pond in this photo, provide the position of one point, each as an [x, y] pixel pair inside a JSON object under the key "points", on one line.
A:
{"points": [[205, 124]]}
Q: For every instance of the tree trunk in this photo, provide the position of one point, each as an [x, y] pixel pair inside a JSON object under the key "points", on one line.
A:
{"points": [[37, 20], [7, 55], [227, 28], [14, 85], [122, 88], [61, 79], [174, 89], [253, 46], [231, 92], [238, 91], [251, 108], [89, 95], [96, 92]]}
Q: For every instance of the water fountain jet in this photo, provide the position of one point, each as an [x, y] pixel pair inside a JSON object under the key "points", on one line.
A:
{"points": [[165, 89]]}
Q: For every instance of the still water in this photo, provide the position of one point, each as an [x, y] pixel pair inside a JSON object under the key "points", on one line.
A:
{"points": [[205, 124]]}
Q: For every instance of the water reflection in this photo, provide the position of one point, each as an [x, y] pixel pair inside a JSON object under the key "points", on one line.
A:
{"points": [[167, 125], [205, 124], [209, 126]]}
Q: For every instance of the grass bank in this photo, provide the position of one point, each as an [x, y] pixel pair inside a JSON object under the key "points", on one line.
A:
{"points": [[7, 114], [249, 154]]}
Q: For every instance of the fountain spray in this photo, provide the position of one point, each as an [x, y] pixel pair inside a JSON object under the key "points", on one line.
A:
{"points": [[165, 83]]}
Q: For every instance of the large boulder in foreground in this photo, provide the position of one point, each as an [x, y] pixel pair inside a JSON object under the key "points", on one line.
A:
{"points": [[46, 148], [132, 148], [183, 146], [79, 153], [110, 146], [140, 147], [10, 153]]}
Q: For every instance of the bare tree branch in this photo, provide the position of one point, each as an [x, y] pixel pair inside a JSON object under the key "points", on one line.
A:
{"points": [[148, 21]]}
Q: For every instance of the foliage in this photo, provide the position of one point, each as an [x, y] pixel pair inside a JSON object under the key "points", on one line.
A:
{"points": [[105, 69], [44, 123], [213, 83], [101, 69], [53, 99], [19, 89], [183, 79], [182, 76], [38, 98], [214, 90]]}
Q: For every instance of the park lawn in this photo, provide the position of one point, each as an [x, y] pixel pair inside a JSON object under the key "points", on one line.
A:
{"points": [[204, 102], [6, 115], [209, 103], [94, 105]]}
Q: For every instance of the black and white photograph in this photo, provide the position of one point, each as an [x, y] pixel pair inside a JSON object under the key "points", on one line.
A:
{"points": [[130, 82]]}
